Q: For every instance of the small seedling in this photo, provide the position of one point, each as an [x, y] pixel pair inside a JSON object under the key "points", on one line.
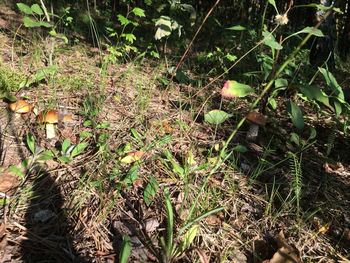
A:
{"points": [[69, 151]]}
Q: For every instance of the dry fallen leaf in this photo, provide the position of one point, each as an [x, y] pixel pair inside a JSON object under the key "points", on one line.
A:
{"points": [[3, 241], [215, 219], [321, 227], [167, 127], [286, 253], [203, 258], [138, 183], [8, 182], [151, 225]]}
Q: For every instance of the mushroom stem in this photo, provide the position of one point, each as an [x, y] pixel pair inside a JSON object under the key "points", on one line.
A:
{"points": [[253, 132], [50, 131]]}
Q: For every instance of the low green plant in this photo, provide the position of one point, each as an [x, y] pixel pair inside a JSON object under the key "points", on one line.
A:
{"points": [[39, 75], [125, 38], [10, 80], [37, 17], [125, 251], [38, 155], [69, 151], [170, 250]]}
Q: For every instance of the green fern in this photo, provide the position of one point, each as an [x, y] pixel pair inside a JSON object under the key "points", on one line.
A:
{"points": [[295, 167], [331, 140]]}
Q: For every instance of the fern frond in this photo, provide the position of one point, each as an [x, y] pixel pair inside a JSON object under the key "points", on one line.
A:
{"points": [[331, 140], [295, 167]]}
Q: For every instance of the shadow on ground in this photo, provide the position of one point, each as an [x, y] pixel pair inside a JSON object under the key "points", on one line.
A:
{"points": [[47, 237]]}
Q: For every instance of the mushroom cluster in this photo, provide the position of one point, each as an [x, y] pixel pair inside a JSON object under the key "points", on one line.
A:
{"points": [[48, 117], [51, 117]]}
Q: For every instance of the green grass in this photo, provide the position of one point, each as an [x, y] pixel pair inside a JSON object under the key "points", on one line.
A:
{"points": [[10, 79]]}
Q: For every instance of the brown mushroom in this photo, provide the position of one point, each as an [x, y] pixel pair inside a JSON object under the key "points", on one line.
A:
{"points": [[256, 119], [50, 118], [20, 106]]}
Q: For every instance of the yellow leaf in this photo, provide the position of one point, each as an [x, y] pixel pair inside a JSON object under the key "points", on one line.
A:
{"points": [[132, 157], [213, 160]]}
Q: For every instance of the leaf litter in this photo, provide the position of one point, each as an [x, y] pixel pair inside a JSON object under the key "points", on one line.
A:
{"points": [[95, 211]]}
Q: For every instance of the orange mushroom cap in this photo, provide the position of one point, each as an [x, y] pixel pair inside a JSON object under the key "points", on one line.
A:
{"points": [[52, 116], [20, 106], [256, 118]]}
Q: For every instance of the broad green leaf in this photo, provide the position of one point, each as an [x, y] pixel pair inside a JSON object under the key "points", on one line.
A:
{"points": [[37, 9], [64, 159], [65, 146], [181, 76], [338, 108], [315, 93], [216, 117], [295, 138], [234, 89], [132, 175], [337, 90], [308, 30], [25, 8], [45, 24], [150, 191], [175, 165], [41, 74], [279, 83], [311, 30], [87, 123], [273, 3], [138, 12], [188, 238], [154, 54], [125, 250], [103, 125], [240, 148], [295, 114], [236, 28], [273, 103], [31, 142], [129, 37], [9, 97], [190, 159], [164, 27], [190, 9], [78, 149], [85, 134], [123, 20], [313, 133], [46, 155], [323, 7], [230, 57], [28, 22], [269, 40], [17, 171]]}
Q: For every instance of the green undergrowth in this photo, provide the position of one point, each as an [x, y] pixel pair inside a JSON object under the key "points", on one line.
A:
{"points": [[10, 79]]}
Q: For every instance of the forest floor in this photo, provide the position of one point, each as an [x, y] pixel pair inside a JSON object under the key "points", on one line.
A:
{"points": [[139, 138]]}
